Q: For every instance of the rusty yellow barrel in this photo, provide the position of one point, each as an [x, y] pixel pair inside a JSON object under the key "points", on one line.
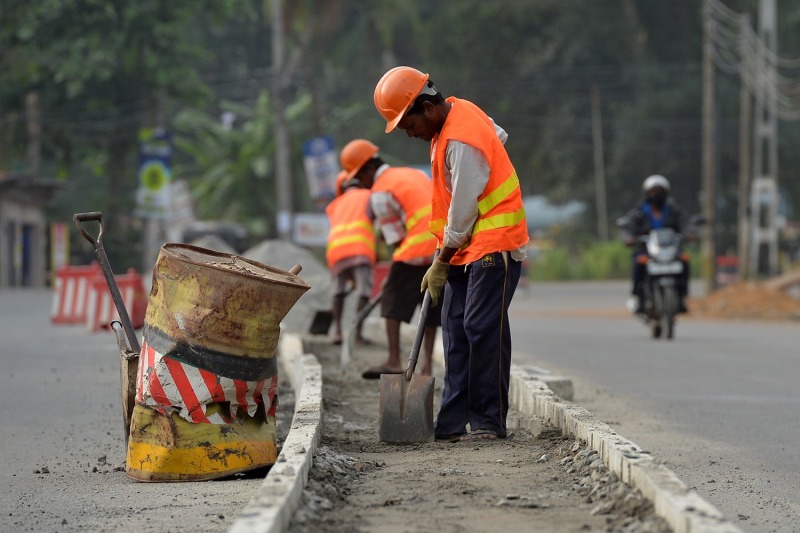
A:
{"points": [[206, 390]]}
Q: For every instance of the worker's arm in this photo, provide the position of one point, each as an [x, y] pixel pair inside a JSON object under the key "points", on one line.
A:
{"points": [[389, 217]]}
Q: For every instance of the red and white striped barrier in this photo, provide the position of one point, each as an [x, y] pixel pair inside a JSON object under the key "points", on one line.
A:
{"points": [[101, 310], [71, 293], [165, 384]]}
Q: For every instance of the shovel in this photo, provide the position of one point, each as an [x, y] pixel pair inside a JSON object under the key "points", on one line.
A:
{"points": [[406, 401], [128, 351]]}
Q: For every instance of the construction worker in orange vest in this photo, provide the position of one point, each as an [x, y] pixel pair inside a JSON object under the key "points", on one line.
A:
{"points": [[400, 204], [479, 221], [351, 249]]}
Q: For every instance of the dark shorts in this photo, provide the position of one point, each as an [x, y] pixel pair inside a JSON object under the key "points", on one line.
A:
{"points": [[401, 294]]}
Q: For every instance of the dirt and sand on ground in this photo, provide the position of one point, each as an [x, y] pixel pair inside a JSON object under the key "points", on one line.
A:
{"points": [[546, 482], [747, 300]]}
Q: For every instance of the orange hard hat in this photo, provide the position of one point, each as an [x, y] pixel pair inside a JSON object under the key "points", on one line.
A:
{"points": [[355, 154], [396, 91]]}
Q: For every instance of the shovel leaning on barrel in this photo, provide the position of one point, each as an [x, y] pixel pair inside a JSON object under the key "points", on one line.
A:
{"points": [[406, 400], [128, 351]]}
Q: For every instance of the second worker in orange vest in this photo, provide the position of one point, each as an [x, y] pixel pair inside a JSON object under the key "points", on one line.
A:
{"points": [[400, 204], [479, 221]]}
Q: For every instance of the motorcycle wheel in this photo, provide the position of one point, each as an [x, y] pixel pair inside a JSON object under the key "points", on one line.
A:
{"points": [[656, 312], [669, 309], [655, 329]]}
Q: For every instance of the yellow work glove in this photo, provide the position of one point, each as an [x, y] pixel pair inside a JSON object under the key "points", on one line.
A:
{"points": [[434, 279]]}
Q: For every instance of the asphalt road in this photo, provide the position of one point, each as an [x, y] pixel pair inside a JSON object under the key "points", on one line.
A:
{"points": [[720, 404], [62, 439]]}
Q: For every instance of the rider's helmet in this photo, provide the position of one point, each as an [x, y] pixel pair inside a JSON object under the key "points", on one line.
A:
{"points": [[656, 189]]}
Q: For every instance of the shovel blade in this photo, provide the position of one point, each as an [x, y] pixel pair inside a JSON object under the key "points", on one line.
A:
{"points": [[405, 409], [129, 369]]}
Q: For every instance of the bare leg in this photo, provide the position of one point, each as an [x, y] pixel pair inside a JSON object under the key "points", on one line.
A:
{"points": [[362, 303], [338, 307], [393, 337], [428, 344]]}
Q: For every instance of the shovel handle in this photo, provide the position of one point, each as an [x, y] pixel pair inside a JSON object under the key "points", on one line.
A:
{"points": [[423, 317], [105, 266], [94, 216]]}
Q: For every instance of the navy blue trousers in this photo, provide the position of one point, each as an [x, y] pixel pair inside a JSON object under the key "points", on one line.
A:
{"points": [[477, 345]]}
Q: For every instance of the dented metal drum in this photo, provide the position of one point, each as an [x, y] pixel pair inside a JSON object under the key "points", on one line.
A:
{"points": [[207, 381]]}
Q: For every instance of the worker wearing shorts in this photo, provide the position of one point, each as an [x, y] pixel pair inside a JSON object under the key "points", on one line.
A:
{"points": [[400, 205]]}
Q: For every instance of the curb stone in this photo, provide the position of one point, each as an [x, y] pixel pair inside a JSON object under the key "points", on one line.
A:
{"points": [[270, 510], [683, 509]]}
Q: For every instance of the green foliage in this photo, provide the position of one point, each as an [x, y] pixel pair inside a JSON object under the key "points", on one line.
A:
{"points": [[553, 264], [102, 67], [600, 261], [610, 260], [231, 170]]}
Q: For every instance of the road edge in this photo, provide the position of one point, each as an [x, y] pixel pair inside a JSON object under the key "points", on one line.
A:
{"points": [[683, 509], [271, 508]]}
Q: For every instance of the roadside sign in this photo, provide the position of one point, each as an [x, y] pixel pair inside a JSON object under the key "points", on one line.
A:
{"points": [[155, 173], [311, 229], [321, 165]]}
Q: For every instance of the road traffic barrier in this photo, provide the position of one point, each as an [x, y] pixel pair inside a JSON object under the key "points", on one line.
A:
{"points": [[100, 306], [207, 384], [71, 293]]}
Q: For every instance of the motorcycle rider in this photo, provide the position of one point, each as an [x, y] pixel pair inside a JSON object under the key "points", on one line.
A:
{"points": [[656, 211]]}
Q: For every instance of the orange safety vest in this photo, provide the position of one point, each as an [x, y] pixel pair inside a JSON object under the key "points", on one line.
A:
{"points": [[413, 191], [501, 223], [352, 233]]}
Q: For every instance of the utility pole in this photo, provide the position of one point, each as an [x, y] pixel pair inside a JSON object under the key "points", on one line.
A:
{"points": [[34, 129], [709, 251], [764, 191], [283, 175], [745, 156], [599, 165]]}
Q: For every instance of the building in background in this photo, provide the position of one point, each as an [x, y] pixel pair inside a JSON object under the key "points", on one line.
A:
{"points": [[24, 229]]}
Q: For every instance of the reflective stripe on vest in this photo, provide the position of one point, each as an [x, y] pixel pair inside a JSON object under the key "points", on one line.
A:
{"points": [[351, 233]]}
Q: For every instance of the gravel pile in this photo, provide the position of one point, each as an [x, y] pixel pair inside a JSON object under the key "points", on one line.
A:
{"points": [[626, 509], [329, 481]]}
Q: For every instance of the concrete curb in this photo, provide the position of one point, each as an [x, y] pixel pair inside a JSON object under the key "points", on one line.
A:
{"points": [[684, 510], [270, 510]]}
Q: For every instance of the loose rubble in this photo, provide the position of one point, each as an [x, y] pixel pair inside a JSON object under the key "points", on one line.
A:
{"points": [[627, 510]]}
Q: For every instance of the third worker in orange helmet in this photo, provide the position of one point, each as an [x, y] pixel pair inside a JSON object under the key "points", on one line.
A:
{"points": [[479, 221], [400, 204], [351, 249]]}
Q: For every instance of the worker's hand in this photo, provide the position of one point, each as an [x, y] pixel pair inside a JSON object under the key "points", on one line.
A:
{"points": [[434, 279]]}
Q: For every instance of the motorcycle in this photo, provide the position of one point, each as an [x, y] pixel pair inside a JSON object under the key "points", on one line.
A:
{"points": [[663, 266]]}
